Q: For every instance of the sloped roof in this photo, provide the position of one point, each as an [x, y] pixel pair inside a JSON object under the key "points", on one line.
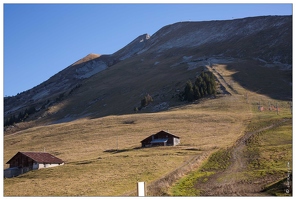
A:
{"points": [[162, 131], [40, 157]]}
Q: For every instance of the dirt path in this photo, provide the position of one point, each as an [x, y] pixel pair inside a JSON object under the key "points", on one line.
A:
{"points": [[230, 182], [227, 89]]}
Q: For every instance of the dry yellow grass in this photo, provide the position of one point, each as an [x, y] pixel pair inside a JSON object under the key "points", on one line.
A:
{"points": [[92, 167]]}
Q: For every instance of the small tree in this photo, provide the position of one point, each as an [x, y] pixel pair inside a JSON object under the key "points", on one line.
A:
{"points": [[146, 101], [196, 92], [20, 116], [188, 91]]}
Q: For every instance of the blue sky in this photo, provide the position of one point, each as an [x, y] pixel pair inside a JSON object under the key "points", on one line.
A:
{"points": [[42, 39]]}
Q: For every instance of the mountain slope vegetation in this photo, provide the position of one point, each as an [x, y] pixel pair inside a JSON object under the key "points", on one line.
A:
{"points": [[86, 114], [160, 65]]}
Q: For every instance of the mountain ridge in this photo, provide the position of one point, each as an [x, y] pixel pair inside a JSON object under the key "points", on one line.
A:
{"points": [[176, 50]]}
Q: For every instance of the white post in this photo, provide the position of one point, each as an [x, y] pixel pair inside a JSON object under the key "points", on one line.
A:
{"points": [[141, 189], [117, 143]]}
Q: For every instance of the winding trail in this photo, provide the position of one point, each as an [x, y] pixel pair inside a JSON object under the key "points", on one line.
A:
{"points": [[230, 182]]}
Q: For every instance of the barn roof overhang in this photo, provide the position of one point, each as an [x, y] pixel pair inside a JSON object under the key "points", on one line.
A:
{"points": [[40, 157]]}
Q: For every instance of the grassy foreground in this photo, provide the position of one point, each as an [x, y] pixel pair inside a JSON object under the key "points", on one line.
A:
{"points": [[268, 155], [93, 167], [102, 156]]}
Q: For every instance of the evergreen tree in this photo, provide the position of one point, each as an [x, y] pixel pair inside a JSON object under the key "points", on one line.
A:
{"points": [[209, 88], [204, 85], [205, 88], [196, 92], [143, 102], [188, 91], [201, 91], [198, 81], [12, 120], [20, 117], [214, 86]]}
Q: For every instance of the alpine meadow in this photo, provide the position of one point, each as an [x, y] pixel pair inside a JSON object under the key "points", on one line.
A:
{"points": [[221, 89]]}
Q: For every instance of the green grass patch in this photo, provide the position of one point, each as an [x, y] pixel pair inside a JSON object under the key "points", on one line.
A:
{"points": [[268, 152], [218, 161], [185, 187]]}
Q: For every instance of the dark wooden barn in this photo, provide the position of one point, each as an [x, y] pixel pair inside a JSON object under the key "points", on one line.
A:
{"points": [[26, 161], [162, 138]]}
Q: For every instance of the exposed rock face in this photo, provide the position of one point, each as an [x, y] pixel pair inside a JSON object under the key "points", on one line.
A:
{"points": [[269, 38], [132, 48], [266, 39]]}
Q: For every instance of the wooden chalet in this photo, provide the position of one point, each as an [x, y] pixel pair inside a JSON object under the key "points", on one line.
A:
{"points": [[23, 162], [162, 138]]}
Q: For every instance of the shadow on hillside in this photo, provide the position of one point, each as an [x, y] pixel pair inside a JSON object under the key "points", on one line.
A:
{"points": [[270, 81], [114, 151], [280, 188]]}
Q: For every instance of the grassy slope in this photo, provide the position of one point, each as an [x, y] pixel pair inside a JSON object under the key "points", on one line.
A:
{"points": [[81, 143], [120, 88], [92, 166], [268, 151]]}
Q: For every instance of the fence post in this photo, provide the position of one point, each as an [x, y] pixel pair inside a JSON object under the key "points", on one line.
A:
{"points": [[141, 189]]}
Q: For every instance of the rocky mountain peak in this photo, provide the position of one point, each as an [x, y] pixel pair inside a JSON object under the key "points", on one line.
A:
{"points": [[155, 64], [89, 57]]}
